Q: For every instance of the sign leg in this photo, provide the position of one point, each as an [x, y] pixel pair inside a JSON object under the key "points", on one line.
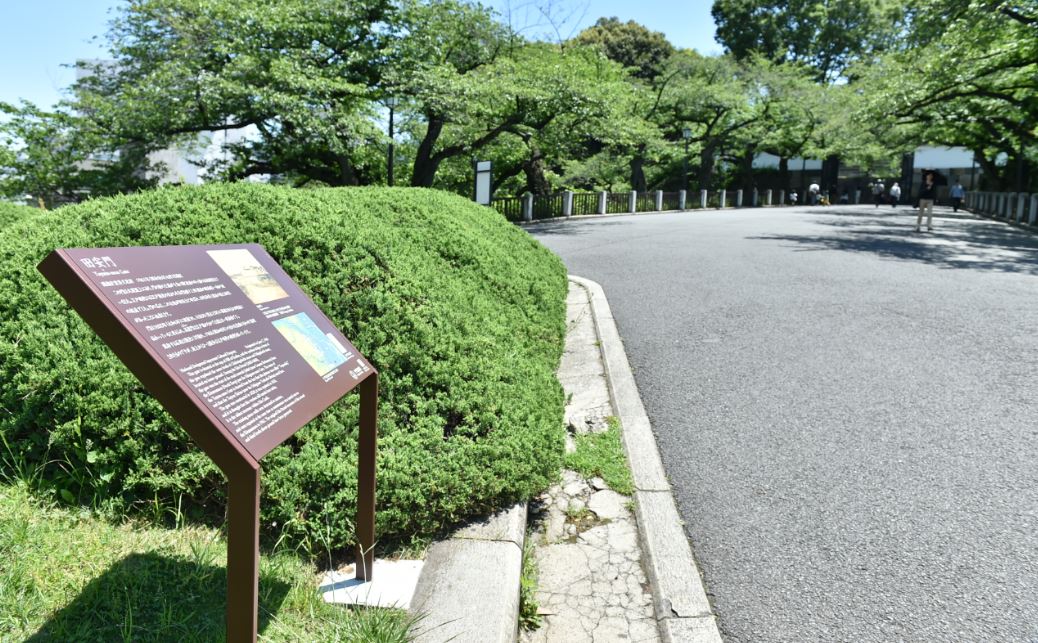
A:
{"points": [[243, 555], [366, 477]]}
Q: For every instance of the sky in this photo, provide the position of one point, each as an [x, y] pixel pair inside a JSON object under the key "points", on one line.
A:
{"points": [[39, 37]]}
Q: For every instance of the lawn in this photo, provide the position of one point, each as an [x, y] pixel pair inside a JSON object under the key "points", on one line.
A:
{"points": [[66, 575]]}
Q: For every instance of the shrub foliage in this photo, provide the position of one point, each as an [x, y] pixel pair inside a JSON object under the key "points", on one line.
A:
{"points": [[10, 213], [461, 312]]}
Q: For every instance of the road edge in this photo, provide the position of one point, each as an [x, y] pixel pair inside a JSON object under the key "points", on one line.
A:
{"points": [[683, 611]]}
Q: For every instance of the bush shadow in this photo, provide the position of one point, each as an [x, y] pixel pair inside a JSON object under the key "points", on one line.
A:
{"points": [[959, 241], [154, 597]]}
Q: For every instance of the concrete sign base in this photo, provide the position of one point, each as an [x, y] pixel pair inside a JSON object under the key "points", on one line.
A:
{"points": [[394, 585]]}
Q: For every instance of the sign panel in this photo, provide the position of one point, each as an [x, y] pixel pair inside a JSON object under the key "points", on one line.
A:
{"points": [[483, 182], [240, 337]]}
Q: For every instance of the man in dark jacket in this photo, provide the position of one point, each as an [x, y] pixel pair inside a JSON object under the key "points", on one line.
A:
{"points": [[927, 195]]}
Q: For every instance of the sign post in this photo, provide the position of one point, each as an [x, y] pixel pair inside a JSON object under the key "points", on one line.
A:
{"points": [[241, 358]]}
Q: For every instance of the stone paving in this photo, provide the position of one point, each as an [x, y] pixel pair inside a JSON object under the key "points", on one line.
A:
{"points": [[591, 584]]}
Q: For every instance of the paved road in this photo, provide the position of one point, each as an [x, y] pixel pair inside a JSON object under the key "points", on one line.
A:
{"points": [[848, 412]]}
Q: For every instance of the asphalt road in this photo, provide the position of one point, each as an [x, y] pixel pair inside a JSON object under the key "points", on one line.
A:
{"points": [[847, 410]]}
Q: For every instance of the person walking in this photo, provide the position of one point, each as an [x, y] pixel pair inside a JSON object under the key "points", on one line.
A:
{"points": [[957, 193], [895, 194], [877, 192], [812, 193], [927, 195]]}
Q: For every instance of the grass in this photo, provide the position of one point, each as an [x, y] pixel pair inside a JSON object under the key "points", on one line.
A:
{"points": [[529, 619], [602, 455], [66, 575]]}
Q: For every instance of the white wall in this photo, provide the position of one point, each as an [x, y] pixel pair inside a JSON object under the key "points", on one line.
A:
{"points": [[942, 158], [765, 160]]}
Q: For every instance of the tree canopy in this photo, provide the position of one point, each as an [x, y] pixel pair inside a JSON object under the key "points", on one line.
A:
{"points": [[305, 87]]}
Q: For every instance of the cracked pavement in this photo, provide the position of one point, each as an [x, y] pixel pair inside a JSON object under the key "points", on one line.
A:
{"points": [[591, 583]]}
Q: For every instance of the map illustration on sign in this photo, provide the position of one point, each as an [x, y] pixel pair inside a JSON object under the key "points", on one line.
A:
{"points": [[315, 347], [245, 271]]}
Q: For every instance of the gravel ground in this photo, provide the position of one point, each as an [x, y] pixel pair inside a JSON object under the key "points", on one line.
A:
{"points": [[846, 410]]}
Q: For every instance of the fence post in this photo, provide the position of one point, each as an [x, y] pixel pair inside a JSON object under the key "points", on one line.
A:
{"points": [[528, 207], [782, 198], [632, 202], [659, 200], [567, 204], [602, 196], [754, 202], [738, 198], [702, 198], [857, 197], [1034, 210], [681, 199], [1020, 204], [721, 198], [767, 197]]}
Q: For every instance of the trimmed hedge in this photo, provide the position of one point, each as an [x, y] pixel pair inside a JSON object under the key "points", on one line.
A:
{"points": [[462, 313], [12, 213]]}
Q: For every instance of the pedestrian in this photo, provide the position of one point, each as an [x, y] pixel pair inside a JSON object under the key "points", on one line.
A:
{"points": [[957, 193], [793, 196], [877, 192], [812, 193], [895, 194], [927, 195]]}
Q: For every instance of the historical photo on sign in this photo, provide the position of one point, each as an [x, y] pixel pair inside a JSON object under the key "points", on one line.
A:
{"points": [[315, 347], [254, 280]]}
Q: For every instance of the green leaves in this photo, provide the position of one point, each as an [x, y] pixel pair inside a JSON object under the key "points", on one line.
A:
{"points": [[461, 312]]}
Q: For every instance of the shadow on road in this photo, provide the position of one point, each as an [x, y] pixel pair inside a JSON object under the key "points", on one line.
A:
{"points": [[959, 241]]}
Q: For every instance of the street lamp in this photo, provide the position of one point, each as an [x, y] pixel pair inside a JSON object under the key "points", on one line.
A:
{"points": [[686, 134], [391, 103]]}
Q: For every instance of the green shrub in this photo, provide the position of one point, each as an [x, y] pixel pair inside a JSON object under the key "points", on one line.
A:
{"points": [[461, 312], [11, 212]]}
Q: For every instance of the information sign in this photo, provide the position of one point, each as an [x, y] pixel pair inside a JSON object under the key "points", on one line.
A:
{"points": [[237, 353]]}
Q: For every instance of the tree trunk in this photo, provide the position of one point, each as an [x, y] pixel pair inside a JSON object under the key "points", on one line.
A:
{"points": [[533, 167], [705, 173], [991, 178], [638, 170], [746, 169], [347, 176], [425, 164], [784, 173]]}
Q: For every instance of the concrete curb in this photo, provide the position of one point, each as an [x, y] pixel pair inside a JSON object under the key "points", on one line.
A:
{"points": [[457, 599], [683, 612]]}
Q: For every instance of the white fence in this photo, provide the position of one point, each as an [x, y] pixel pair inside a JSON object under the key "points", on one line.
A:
{"points": [[1019, 207]]}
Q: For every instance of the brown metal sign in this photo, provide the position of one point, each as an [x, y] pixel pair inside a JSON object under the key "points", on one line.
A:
{"points": [[238, 354]]}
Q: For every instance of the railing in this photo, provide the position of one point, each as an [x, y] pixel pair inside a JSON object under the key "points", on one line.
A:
{"points": [[585, 203], [1018, 207], [531, 207], [510, 206]]}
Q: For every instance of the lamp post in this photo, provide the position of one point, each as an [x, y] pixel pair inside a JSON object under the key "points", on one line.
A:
{"points": [[391, 103], [686, 134]]}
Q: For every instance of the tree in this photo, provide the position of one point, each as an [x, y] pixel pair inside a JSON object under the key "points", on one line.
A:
{"points": [[968, 76], [298, 74], [471, 83], [826, 35], [710, 96], [56, 158], [630, 44]]}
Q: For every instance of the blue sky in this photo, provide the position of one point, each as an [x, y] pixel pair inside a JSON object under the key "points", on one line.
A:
{"points": [[37, 37]]}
